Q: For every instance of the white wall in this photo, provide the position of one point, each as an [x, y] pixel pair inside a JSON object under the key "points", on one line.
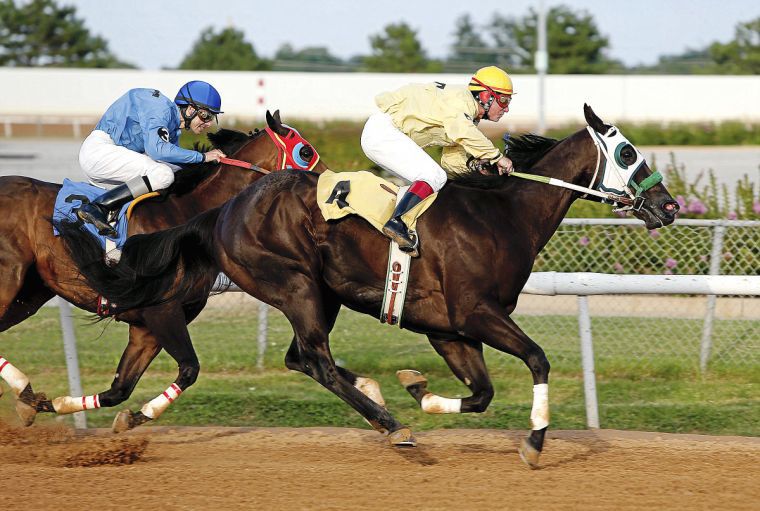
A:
{"points": [[246, 95]]}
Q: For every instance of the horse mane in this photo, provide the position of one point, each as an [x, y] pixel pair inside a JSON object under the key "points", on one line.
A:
{"points": [[524, 151], [190, 176]]}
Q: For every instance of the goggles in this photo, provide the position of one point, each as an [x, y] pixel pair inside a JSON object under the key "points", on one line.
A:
{"points": [[205, 116], [502, 99]]}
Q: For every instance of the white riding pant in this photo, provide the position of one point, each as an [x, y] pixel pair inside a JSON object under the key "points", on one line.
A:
{"points": [[390, 148], [108, 165]]}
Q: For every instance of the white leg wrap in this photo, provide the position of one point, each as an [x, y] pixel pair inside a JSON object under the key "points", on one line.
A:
{"points": [[13, 377], [371, 389], [437, 404], [68, 404], [158, 405], [539, 415]]}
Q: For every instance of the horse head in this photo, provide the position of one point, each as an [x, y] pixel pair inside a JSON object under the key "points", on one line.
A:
{"points": [[625, 172]]}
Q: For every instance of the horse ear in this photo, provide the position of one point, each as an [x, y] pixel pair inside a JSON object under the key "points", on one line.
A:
{"points": [[275, 124], [593, 120]]}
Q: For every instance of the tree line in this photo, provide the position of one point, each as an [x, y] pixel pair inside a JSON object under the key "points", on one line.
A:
{"points": [[42, 33]]}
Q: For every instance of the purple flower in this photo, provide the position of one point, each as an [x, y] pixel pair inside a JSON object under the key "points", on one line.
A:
{"points": [[654, 233], [703, 258], [668, 272], [670, 263], [681, 201], [584, 241], [618, 267], [756, 207], [697, 207], [732, 215]]}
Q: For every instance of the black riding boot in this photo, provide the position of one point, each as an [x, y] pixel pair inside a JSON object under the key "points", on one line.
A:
{"points": [[97, 211], [396, 229]]}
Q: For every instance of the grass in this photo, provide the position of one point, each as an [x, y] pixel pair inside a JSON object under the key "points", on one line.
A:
{"points": [[669, 395]]}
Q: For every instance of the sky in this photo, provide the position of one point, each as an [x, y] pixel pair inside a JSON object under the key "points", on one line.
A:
{"points": [[158, 33]]}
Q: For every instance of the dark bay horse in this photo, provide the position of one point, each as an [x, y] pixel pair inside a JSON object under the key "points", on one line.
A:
{"points": [[478, 243], [35, 267]]}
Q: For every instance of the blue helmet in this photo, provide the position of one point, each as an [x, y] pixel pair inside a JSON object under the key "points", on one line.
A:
{"points": [[200, 94]]}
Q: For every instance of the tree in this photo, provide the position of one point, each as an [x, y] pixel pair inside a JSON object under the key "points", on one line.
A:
{"points": [[399, 51], [575, 45], [39, 33], [740, 56], [227, 50], [311, 58], [469, 51]]}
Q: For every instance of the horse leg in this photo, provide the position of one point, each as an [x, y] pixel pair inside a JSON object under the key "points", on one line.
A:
{"points": [[22, 294], [139, 353], [490, 324], [309, 319], [166, 324], [465, 358], [366, 386]]}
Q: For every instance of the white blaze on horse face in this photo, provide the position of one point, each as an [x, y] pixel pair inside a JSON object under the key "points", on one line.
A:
{"points": [[436, 404], [68, 404], [13, 377], [156, 406], [539, 415]]}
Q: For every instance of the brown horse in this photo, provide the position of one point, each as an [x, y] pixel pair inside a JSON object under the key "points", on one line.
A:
{"points": [[478, 243], [36, 267]]}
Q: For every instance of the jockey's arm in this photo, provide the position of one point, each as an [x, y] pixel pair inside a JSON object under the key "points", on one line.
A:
{"points": [[158, 139], [464, 133]]}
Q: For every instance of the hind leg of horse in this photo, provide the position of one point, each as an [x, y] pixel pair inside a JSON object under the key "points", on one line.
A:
{"points": [[167, 326], [367, 386], [489, 323], [309, 319], [465, 358], [137, 356], [22, 294]]}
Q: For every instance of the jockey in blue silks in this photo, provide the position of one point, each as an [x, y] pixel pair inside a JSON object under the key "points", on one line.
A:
{"points": [[135, 150]]}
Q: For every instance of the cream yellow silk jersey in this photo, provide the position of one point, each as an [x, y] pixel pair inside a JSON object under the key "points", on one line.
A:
{"points": [[435, 116]]}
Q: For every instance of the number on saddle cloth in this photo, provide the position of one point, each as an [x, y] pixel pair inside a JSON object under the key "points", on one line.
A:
{"points": [[340, 194]]}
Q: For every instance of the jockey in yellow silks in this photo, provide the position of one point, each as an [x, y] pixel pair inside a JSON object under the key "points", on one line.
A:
{"points": [[436, 114]]}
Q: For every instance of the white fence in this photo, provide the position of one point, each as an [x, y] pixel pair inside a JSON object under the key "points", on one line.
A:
{"points": [[548, 283], [39, 94]]}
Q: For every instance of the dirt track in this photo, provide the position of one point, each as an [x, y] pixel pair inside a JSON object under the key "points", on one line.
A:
{"points": [[348, 469]]}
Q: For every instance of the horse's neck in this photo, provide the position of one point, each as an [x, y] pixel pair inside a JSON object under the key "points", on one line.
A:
{"points": [[546, 205]]}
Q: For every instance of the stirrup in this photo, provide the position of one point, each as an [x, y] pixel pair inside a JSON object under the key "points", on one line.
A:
{"points": [[104, 229]]}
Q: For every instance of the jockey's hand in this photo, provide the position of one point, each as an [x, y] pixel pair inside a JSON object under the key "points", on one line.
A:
{"points": [[213, 155], [504, 165]]}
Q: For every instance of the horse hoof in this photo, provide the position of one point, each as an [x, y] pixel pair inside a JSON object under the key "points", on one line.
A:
{"points": [[410, 377], [122, 422], [402, 438], [26, 413], [529, 454]]}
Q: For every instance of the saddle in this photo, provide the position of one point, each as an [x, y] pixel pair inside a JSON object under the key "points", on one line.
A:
{"points": [[73, 194], [374, 199], [362, 193]]}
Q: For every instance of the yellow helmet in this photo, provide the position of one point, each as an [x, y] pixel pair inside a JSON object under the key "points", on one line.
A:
{"points": [[491, 77]]}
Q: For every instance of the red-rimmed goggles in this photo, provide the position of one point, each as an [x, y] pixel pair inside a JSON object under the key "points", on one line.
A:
{"points": [[502, 99]]}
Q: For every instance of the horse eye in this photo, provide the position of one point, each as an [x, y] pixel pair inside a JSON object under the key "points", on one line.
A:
{"points": [[628, 155], [306, 152]]}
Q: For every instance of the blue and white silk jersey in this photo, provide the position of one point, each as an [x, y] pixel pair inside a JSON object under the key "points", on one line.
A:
{"points": [[146, 121]]}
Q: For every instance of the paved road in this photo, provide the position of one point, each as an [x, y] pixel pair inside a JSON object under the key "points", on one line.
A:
{"points": [[52, 160]]}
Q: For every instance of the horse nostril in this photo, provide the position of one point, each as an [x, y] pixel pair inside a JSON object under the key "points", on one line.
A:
{"points": [[671, 207]]}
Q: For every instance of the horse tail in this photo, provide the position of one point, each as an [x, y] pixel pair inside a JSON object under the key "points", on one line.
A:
{"points": [[154, 268]]}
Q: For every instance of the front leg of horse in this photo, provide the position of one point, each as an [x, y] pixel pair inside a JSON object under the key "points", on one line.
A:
{"points": [[502, 333], [28, 403]]}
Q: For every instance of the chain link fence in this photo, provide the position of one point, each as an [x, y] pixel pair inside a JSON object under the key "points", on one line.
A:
{"points": [[642, 333]]}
